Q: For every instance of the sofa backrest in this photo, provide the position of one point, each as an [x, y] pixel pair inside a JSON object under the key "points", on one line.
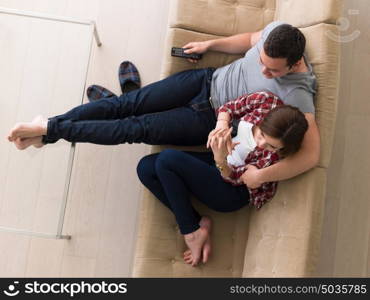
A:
{"points": [[317, 20], [199, 20], [284, 237], [221, 18]]}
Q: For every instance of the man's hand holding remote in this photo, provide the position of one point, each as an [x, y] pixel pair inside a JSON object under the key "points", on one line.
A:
{"points": [[196, 47]]}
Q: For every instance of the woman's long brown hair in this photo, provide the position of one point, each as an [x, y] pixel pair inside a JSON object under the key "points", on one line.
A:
{"points": [[288, 124]]}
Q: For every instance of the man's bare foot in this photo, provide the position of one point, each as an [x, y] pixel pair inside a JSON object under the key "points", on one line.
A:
{"points": [[195, 241], [23, 143], [206, 224], [37, 127]]}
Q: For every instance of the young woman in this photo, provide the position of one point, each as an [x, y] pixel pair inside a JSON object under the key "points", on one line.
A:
{"points": [[267, 132]]}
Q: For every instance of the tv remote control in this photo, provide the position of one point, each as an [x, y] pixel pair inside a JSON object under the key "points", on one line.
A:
{"points": [[179, 52]]}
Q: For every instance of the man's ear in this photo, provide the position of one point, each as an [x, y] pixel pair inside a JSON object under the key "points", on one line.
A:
{"points": [[296, 65]]}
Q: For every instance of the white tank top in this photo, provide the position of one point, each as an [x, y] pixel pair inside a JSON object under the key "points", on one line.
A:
{"points": [[247, 144]]}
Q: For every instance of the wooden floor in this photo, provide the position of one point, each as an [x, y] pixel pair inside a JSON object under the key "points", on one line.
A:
{"points": [[103, 203], [104, 195], [43, 71]]}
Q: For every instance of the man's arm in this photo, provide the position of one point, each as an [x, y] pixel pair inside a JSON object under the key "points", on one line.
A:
{"points": [[306, 158], [235, 44]]}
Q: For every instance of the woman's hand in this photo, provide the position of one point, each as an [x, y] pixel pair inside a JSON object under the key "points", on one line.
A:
{"points": [[196, 47], [223, 121], [221, 144], [221, 125]]}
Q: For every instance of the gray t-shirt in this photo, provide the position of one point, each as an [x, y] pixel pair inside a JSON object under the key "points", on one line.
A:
{"points": [[244, 76]]}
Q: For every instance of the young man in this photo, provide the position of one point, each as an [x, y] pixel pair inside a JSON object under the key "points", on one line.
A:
{"points": [[275, 62], [181, 108]]}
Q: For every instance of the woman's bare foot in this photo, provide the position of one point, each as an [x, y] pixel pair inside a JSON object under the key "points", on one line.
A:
{"points": [[195, 241], [37, 127], [23, 143], [206, 224]]}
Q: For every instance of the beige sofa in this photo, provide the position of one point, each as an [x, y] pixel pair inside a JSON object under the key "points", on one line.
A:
{"points": [[282, 239]]}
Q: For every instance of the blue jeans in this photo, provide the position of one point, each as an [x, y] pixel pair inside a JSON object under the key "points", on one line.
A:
{"points": [[173, 176], [175, 110]]}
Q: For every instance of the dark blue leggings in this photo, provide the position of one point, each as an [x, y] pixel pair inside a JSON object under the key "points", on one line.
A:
{"points": [[173, 176]]}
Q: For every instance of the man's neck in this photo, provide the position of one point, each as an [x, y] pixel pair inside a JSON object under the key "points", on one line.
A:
{"points": [[302, 66]]}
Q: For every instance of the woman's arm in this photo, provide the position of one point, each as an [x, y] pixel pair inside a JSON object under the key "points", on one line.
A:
{"points": [[252, 106], [223, 167], [223, 122], [219, 145]]}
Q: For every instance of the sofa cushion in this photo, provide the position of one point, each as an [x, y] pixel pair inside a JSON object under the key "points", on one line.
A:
{"points": [[284, 234], [221, 17], [160, 245], [303, 13]]}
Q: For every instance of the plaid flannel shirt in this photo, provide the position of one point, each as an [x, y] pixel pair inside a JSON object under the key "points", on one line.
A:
{"points": [[252, 108]]}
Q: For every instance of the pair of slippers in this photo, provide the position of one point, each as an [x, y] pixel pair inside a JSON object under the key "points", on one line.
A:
{"points": [[129, 80]]}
